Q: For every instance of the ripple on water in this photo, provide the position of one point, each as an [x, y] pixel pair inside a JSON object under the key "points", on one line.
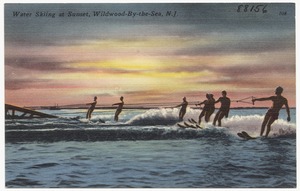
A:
{"points": [[22, 182], [70, 183], [43, 165], [81, 157]]}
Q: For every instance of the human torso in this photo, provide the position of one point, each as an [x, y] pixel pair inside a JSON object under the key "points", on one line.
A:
{"points": [[225, 102], [184, 105], [120, 105], [278, 102], [209, 104], [93, 105]]}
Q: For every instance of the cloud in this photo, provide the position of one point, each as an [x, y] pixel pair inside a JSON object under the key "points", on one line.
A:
{"points": [[253, 70], [225, 44], [206, 47], [46, 65], [35, 83], [17, 84], [40, 64]]}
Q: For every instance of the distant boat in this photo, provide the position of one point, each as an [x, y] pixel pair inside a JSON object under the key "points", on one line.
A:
{"points": [[54, 107]]}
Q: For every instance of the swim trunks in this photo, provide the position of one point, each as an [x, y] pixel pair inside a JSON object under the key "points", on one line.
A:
{"points": [[273, 114]]}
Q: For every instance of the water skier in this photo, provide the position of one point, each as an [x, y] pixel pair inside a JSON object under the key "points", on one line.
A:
{"points": [[119, 109], [208, 109], [211, 106], [91, 109], [224, 109], [183, 106], [273, 112]]}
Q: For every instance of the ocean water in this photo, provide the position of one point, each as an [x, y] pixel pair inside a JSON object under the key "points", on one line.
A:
{"points": [[146, 149]]}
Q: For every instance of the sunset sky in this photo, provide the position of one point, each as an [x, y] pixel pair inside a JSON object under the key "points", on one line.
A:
{"points": [[205, 48]]}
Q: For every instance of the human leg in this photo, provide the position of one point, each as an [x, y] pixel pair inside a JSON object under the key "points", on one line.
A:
{"points": [[208, 114], [221, 116], [264, 123], [117, 115], [181, 115], [216, 117], [200, 116], [206, 117], [88, 114], [270, 122]]}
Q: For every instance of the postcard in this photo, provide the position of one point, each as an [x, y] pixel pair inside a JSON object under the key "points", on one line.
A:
{"points": [[150, 95]]}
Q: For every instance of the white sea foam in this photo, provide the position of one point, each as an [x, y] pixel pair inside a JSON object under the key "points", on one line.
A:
{"points": [[165, 119], [235, 123], [155, 117]]}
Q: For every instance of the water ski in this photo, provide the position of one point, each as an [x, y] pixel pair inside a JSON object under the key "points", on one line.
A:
{"points": [[93, 121], [181, 126], [193, 120], [245, 135], [187, 125], [195, 123], [198, 126], [241, 135], [88, 121], [97, 121], [75, 118], [101, 121]]}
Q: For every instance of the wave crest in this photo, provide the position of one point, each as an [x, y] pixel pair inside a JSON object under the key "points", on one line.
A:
{"points": [[155, 117]]}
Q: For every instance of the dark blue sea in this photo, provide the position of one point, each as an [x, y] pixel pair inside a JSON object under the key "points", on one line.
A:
{"points": [[146, 149]]}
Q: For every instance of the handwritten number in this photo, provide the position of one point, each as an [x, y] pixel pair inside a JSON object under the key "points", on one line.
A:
{"points": [[264, 9], [239, 8], [254, 8]]}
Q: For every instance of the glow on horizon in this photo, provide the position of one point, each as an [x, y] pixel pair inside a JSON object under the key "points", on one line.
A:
{"points": [[157, 61]]}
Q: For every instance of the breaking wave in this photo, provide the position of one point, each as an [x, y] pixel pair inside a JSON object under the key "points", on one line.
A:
{"points": [[154, 124], [156, 117]]}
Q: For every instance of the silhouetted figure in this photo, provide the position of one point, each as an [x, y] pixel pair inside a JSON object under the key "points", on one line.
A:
{"points": [[273, 112], [208, 109], [91, 109], [183, 106], [211, 107], [224, 109], [119, 109]]}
